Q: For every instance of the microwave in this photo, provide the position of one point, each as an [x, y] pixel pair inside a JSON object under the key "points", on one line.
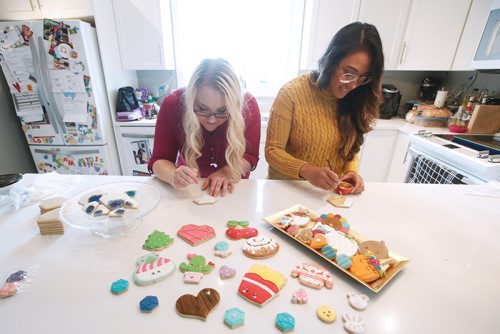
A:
{"points": [[488, 51]]}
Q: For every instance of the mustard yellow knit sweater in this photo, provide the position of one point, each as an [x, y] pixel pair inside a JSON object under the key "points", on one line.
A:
{"points": [[303, 129]]}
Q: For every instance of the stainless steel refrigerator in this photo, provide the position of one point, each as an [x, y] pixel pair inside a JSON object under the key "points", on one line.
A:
{"points": [[54, 73]]}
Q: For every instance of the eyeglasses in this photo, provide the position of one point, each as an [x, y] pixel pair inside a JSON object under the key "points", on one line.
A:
{"points": [[347, 78], [208, 114]]}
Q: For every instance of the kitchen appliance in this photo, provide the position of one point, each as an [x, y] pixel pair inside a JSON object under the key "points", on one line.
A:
{"points": [[487, 55], [392, 98], [428, 88], [54, 73], [452, 159]]}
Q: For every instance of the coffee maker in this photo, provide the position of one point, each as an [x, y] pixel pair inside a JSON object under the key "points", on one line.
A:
{"points": [[392, 98], [429, 88]]}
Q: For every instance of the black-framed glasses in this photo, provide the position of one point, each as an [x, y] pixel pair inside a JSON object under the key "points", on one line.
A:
{"points": [[347, 78], [208, 114]]}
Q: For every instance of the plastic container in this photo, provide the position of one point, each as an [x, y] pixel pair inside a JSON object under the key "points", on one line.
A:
{"points": [[433, 122]]}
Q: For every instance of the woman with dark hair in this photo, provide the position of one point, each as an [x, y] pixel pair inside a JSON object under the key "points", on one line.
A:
{"points": [[318, 120]]}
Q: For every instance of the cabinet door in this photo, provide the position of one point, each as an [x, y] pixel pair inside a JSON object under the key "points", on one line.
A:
{"points": [[391, 30], [322, 20], [144, 29], [473, 29], [19, 10], [376, 155], [62, 9], [432, 35]]}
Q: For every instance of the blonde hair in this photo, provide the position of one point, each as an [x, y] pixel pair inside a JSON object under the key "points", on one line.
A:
{"points": [[220, 75]]}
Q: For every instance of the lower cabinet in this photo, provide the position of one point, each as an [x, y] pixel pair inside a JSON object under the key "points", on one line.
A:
{"points": [[382, 156], [136, 148]]}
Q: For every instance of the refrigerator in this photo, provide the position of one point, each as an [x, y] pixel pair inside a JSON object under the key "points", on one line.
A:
{"points": [[54, 73]]}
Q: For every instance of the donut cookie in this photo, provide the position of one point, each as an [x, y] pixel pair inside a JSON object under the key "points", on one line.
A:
{"points": [[198, 306], [284, 322], [261, 284], [357, 301], [234, 317], [313, 275], [326, 313], [260, 247]]}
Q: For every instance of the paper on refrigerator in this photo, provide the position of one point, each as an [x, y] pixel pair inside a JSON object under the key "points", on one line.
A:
{"points": [[66, 81], [75, 107], [18, 68]]}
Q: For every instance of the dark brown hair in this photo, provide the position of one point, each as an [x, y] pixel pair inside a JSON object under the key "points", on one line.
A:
{"points": [[358, 109]]}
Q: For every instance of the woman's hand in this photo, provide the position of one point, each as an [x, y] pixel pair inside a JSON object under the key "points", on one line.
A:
{"points": [[320, 177], [184, 176], [220, 182], [356, 180]]}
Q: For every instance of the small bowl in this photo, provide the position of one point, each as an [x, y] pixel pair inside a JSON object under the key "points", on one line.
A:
{"points": [[344, 188]]}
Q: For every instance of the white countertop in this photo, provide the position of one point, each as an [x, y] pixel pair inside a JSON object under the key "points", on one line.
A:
{"points": [[450, 285]]}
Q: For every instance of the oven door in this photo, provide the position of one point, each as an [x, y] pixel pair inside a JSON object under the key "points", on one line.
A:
{"points": [[424, 168]]}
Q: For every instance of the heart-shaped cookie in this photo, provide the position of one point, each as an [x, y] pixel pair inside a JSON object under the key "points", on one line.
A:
{"points": [[196, 234], [198, 306]]}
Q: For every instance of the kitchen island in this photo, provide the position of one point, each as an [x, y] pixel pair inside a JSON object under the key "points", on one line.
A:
{"points": [[450, 284]]}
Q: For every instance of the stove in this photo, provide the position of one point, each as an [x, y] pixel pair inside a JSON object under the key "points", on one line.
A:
{"points": [[476, 156]]}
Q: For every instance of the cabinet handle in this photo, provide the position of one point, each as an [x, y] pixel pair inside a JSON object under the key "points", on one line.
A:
{"points": [[161, 52], [40, 3], [402, 53]]}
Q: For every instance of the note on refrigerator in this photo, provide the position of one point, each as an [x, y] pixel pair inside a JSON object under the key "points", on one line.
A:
{"points": [[27, 104], [66, 81], [10, 37], [75, 108], [18, 68]]}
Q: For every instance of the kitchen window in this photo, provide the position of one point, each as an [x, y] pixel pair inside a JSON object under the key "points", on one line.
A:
{"points": [[260, 38]]}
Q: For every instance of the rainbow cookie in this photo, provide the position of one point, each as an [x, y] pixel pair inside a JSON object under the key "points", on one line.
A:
{"points": [[152, 268], [157, 241], [198, 306], [260, 247], [261, 284], [313, 275]]}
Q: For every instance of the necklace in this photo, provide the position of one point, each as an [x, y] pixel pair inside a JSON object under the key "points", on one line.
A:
{"points": [[214, 148]]}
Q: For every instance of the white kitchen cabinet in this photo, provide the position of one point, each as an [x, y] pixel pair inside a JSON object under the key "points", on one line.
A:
{"points": [[391, 30], [144, 30], [38, 9], [432, 34], [398, 164], [322, 20], [376, 154], [471, 35]]}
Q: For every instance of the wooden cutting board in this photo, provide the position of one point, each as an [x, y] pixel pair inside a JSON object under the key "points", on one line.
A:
{"points": [[485, 119]]}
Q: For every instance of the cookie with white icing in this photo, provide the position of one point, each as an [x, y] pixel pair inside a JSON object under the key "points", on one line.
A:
{"points": [[260, 247], [152, 268], [341, 243]]}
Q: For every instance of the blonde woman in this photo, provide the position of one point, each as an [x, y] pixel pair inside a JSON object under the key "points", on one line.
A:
{"points": [[208, 130]]}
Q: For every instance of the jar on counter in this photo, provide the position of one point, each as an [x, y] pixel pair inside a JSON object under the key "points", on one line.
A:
{"points": [[459, 121]]}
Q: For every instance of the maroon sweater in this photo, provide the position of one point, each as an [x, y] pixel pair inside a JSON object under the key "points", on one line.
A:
{"points": [[170, 137]]}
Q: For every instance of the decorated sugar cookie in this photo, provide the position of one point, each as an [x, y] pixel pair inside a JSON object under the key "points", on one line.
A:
{"points": [[196, 234], [101, 210], [313, 275], [375, 248], [261, 284], [226, 272], [365, 268], [260, 247], [118, 287], [305, 236], [152, 269], [192, 277], [157, 241], [198, 306], [148, 304], [357, 301], [234, 317], [299, 297], [114, 201], [318, 241], [326, 313], [90, 207], [343, 244], [205, 199], [353, 323], [222, 249], [91, 197], [285, 322], [197, 263]]}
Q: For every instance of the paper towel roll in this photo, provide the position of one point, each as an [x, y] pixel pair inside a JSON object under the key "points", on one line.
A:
{"points": [[440, 98]]}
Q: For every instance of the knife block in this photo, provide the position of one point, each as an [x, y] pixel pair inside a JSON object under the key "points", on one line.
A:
{"points": [[485, 119]]}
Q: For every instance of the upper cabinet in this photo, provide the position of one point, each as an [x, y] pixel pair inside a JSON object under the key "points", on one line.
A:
{"points": [[144, 30], [322, 20], [432, 34], [391, 29], [38, 9]]}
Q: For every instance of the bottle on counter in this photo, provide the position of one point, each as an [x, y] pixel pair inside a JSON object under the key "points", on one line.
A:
{"points": [[459, 121]]}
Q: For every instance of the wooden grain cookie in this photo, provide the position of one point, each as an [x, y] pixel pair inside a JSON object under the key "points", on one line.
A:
{"points": [[198, 306]]}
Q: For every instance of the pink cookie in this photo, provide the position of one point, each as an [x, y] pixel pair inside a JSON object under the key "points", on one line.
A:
{"points": [[196, 234], [313, 275], [192, 277], [226, 272], [299, 297]]}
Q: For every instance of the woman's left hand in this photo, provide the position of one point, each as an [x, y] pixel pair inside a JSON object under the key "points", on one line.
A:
{"points": [[219, 182], [356, 180]]}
